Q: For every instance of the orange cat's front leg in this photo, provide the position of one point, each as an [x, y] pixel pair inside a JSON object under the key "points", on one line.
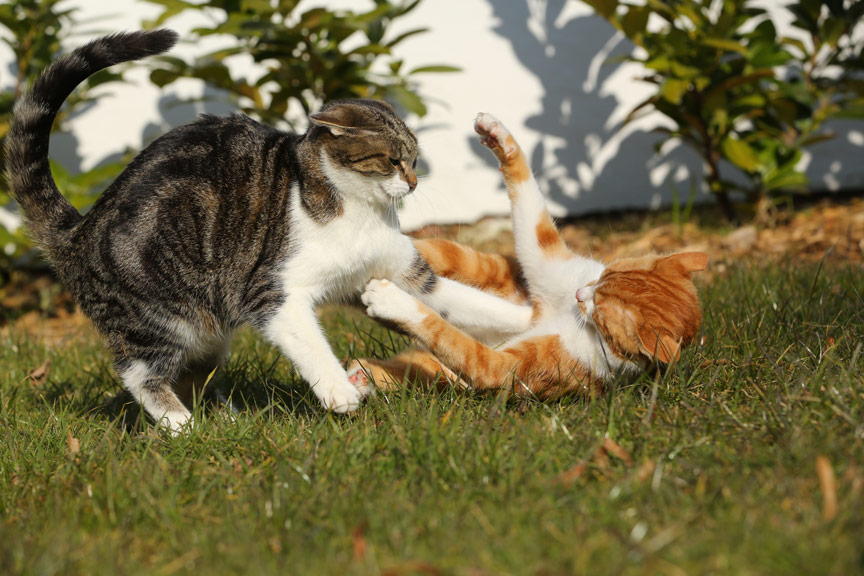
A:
{"points": [[536, 236], [539, 366], [491, 273]]}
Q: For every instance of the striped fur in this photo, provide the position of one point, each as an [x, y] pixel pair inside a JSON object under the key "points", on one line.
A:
{"points": [[590, 321], [225, 222]]}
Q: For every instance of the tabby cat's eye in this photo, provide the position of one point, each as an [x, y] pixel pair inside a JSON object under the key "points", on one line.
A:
{"points": [[395, 162]]}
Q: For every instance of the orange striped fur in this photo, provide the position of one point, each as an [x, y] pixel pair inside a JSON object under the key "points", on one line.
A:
{"points": [[491, 273]]}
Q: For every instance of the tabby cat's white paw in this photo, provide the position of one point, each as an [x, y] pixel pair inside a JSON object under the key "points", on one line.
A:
{"points": [[342, 398], [386, 301]]}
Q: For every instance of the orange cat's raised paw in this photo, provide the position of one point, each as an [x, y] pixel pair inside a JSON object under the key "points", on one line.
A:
{"points": [[496, 137]]}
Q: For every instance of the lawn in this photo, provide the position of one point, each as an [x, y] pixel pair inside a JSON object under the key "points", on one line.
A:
{"points": [[745, 458]]}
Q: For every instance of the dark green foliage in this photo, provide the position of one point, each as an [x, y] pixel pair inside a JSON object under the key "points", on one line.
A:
{"points": [[303, 53], [737, 91]]}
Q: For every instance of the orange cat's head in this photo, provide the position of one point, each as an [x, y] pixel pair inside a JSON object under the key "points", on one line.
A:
{"points": [[646, 307]]}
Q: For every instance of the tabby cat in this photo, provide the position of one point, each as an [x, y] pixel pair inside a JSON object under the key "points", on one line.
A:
{"points": [[225, 222], [590, 321]]}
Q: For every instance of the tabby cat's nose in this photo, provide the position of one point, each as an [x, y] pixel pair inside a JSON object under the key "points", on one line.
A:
{"points": [[411, 179]]}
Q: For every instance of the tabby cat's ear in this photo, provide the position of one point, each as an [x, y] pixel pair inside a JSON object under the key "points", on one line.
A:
{"points": [[339, 120], [659, 345]]}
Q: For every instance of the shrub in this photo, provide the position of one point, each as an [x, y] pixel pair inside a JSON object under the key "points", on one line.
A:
{"points": [[304, 55], [737, 91], [34, 29]]}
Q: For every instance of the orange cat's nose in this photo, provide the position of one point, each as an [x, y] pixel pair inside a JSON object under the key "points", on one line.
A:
{"points": [[584, 294]]}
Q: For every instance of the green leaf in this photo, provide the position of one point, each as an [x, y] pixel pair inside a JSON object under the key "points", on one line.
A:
{"points": [[749, 101], [162, 77], [605, 8], [634, 22], [767, 55], [683, 71], [673, 90], [434, 68], [740, 154], [408, 100], [817, 138], [724, 44], [405, 35], [796, 43], [832, 30], [785, 179], [371, 49]]}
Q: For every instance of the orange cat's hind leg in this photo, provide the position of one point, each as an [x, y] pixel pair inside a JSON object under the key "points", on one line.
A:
{"points": [[412, 367]]}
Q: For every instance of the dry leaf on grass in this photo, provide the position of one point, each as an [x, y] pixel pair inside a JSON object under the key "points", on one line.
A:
{"points": [[569, 477], [72, 445], [601, 460], [412, 568], [615, 449], [828, 485], [358, 538], [39, 374]]}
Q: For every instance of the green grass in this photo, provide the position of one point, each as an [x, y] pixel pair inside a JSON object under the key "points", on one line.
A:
{"points": [[723, 478]]}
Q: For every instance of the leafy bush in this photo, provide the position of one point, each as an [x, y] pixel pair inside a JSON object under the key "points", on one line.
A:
{"points": [[304, 54], [737, 91], [34, 30]]}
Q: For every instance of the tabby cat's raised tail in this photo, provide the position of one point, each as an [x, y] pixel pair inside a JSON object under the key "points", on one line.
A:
{"points": [[47, 213]]}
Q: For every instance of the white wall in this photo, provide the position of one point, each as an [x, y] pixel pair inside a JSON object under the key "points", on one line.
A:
{"points": [[538, 65]]}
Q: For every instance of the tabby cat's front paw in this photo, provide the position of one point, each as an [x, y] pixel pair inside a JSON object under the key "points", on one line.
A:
{"points": [[496, 137], [343, 398], [386, 301]]}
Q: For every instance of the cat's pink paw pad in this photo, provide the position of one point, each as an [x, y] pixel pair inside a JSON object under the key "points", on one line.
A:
{"points": [[359, 379], [495, 136]]}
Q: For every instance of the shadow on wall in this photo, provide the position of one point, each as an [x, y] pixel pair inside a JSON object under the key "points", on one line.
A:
{"points": [[583, 161], [175, 111]]}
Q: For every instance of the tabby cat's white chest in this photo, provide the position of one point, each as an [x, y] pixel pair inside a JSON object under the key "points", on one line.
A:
{"points": [[336, 259]]}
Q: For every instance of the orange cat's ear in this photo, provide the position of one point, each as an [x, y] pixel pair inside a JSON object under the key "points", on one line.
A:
{"points": [[690, 261], [659, 345], [339, 120]]}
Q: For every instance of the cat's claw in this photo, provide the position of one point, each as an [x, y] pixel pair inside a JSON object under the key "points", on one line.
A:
{"points": [[386, 301], [496, 137]]}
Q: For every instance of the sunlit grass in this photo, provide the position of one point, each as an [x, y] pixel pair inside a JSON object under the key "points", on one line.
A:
{"points": [[712, 466]]}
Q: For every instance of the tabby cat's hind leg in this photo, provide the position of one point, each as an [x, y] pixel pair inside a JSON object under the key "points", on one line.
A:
{"points": [[198, 373], [150, 381]]}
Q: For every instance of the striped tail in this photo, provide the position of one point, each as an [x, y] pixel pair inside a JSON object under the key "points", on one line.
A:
{"points": [[50, 216]]}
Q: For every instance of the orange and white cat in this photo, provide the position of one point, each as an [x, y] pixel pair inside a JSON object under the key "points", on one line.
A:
{"points": [[590, 321]]}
